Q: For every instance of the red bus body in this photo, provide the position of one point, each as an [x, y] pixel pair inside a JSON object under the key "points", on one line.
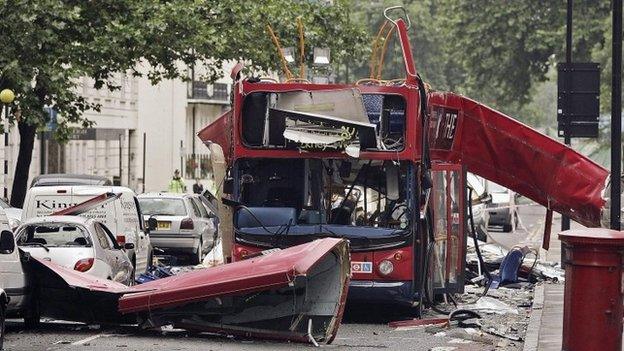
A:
{"points": [[463, 135]]}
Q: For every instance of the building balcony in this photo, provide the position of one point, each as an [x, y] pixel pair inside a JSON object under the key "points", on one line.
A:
{"points": [[200, 92]]}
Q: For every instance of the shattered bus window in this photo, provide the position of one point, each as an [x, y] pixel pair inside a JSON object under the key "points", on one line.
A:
{"points": [[290, 201], [336, 120]]}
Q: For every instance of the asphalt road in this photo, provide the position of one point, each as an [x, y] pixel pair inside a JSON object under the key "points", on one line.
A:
{"points": [[364, 328]]}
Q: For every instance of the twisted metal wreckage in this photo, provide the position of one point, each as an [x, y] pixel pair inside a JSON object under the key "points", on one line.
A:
{"points": [[298, 293]]}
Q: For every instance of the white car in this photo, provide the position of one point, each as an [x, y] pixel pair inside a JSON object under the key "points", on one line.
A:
{"points": [[13, 214], [78, 243], [15, 296], [122, 216]]}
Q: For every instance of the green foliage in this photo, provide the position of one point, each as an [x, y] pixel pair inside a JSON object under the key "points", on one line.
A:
{"points": [[47, 45], [501, 47], [502, 53]]}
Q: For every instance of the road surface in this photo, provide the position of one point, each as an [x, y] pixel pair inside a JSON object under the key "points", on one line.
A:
{"points": [[364, 327]]}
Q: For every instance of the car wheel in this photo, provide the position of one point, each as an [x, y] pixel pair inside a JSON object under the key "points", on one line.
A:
{"points": [[2, 325], [197, 256], [32, 318]]}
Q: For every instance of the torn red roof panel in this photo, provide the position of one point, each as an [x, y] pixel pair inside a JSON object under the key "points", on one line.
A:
{"points": [[505, 151], [295, 294]]}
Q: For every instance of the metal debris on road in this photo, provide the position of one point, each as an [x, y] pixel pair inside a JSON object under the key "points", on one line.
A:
{"points": [[490, 305]]}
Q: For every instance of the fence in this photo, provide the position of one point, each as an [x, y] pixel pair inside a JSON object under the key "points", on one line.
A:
{"points": [[197, 166]]}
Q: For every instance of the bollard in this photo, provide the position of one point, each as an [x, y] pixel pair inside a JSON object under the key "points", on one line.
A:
{"points": [[592, 309]]}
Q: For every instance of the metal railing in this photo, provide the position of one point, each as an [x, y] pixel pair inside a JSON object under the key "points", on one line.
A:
{"points": [[197, 166], [203, 91]]}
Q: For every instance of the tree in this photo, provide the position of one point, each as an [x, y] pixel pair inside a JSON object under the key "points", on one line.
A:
{"points": [[49, 44]]}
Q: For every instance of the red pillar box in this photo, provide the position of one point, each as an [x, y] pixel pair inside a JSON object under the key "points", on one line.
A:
{"points": [[592, 314]]}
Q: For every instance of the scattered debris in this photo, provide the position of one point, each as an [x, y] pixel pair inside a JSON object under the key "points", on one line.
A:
{"points": [[459, 341], [490, 305], [215, 256], [500, 317], [418, 322], [533, 270]]}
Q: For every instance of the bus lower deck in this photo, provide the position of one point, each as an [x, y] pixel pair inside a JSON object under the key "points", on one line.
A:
{"points": [[286, 202]]}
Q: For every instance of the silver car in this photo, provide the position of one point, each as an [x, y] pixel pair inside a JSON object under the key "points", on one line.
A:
{"points": [[502, 207], [183, 223]]}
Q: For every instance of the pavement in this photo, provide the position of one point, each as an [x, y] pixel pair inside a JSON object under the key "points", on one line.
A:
{"points": [[545, 328]]}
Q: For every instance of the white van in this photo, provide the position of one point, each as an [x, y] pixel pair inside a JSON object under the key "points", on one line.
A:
{"points": [[122, 216]]}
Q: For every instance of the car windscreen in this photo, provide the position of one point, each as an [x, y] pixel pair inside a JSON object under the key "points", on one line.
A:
{"points": [[162, 206], [53, 234]]}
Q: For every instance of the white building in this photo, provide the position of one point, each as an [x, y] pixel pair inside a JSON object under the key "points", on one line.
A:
{"points": [[167, 116]]}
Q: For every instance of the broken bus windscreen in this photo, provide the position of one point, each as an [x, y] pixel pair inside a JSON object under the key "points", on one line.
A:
{"points": [[292, 201]]}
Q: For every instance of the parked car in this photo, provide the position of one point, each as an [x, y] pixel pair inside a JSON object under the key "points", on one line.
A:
{"points": [[502, 207], [57, 179], [77, 243], [184, 225], [479, 200], [13, 214], [122, 216], [15, 297]]}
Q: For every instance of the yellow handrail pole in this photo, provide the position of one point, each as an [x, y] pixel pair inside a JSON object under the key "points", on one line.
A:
{"points": [[383, 52], [280, 53], [373, 61], [301, 49]]}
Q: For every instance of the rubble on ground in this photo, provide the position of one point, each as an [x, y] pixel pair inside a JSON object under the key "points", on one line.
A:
{"points": [[534, 268], [497, 317]]}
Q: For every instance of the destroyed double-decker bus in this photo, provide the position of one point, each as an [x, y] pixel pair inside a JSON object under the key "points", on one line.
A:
{"points": [[323, 160], [382, 164]]}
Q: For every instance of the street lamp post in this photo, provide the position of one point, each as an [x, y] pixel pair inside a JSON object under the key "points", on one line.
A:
{"points": [[616, 115], [6, 97]]}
